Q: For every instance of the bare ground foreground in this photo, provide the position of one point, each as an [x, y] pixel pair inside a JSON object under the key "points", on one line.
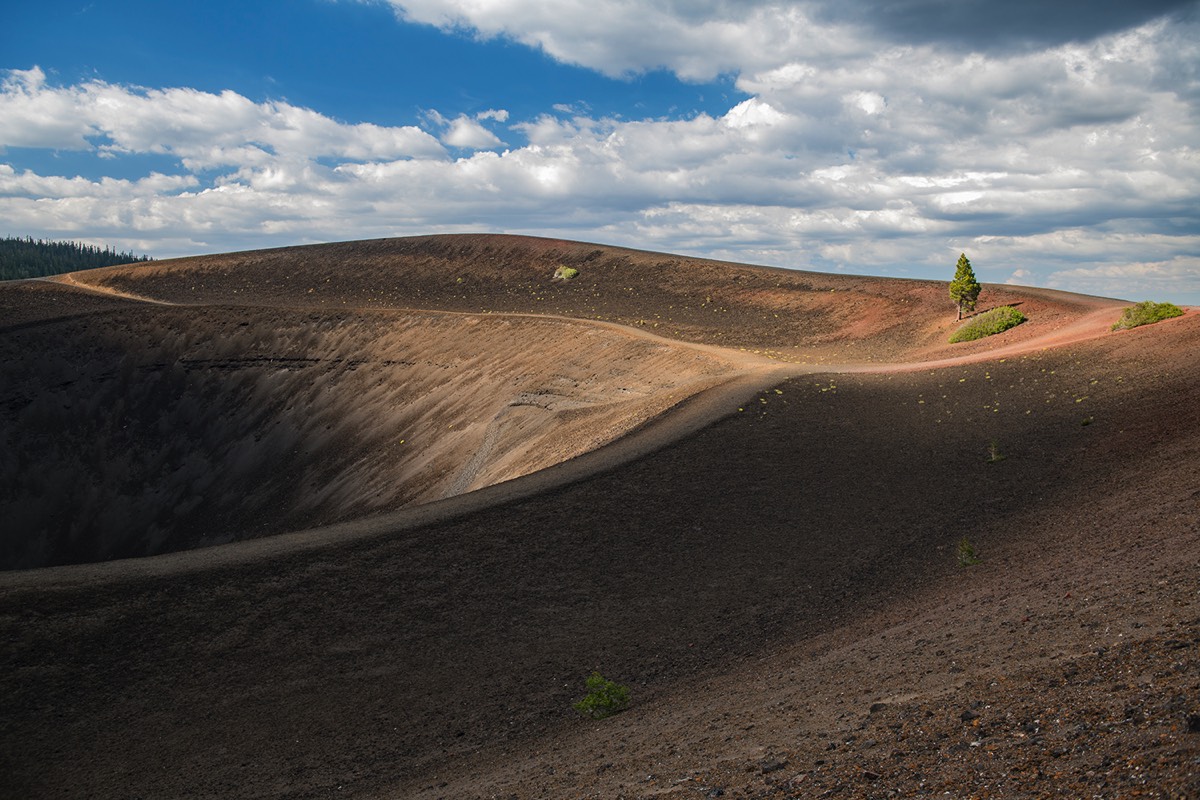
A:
{"points": [[357, 520]]}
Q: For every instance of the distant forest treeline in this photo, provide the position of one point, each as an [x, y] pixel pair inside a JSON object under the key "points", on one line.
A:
{"points": [[33, 258]]}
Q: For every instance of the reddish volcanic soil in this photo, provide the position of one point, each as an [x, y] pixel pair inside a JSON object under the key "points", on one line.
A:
{"points": [[451, 487]]}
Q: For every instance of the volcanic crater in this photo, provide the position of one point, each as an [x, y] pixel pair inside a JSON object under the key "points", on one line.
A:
{"points": [[359, 518]]}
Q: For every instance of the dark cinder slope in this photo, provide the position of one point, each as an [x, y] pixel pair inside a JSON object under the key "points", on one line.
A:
{"points": [[158, 407], [779, 590], [148, 428]]}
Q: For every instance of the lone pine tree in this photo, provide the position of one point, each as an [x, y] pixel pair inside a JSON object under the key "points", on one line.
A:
{"points": [[964, 289]]}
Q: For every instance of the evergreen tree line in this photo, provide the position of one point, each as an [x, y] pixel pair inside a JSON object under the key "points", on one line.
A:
{"points": [[33, 258]]}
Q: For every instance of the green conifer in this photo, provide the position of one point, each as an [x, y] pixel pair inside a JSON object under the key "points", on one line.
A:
{"points": [[964, 289]]}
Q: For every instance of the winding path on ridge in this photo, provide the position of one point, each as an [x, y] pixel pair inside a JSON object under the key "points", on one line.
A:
{"points": [[755, 374], [69, 279]]}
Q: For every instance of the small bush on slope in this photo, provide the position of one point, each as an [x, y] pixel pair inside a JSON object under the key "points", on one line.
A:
{"points": [[604, 697], [1146, 313], [968, 556], [565, 273], [988, 323]]}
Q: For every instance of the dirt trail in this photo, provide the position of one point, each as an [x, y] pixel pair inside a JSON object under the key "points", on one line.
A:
{"points": [[1092, 325], [692, 413], [778, 586], [69, 279], [1089, 326]]}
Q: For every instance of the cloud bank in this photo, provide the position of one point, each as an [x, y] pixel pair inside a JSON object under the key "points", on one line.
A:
{"points": [[1054, 155]]}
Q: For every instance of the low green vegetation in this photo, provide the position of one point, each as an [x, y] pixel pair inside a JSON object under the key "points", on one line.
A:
{"points": [[994, 453], [1145, 314], [604, 697], [968, 556], [988, 323], [564, 273]]}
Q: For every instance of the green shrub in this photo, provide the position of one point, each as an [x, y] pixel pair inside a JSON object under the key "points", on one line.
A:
{"points": [[1146, 313], [967, 555], [566, 274], [604, 697], [988, 323]]}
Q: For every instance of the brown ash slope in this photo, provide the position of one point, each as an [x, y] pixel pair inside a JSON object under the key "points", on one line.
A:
{"points": [[147, 428], [186, 403], [803, 316], [779, 589]]}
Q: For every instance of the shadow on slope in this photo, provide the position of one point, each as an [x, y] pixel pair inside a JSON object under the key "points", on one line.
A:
{"points": [[286, 389], [154, 429], [442, 661]]}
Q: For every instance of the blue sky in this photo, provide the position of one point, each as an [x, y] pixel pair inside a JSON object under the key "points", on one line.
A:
{"points": [[1056, 147]]}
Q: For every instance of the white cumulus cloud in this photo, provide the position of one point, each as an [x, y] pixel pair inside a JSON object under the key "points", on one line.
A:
{"points": [[469, 132], [201, 128]]}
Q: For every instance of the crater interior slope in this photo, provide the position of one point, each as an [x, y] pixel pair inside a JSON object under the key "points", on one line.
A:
{"points": [[460, 486]]}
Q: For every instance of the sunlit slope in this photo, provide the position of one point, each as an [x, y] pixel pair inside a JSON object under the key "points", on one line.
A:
{"points": [[152, 428], [170, 405], [800, 316], [760, 586], [772, 583]]}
